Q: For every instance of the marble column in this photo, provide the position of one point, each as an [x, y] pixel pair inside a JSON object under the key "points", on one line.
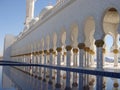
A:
{"points": [[103, 56], [47, 62], [81, 47], [81, 54], [33, 61], [59, 59], [75, 58], [87, 64], [31, 58], [45, 57], [115, 51], [40, 69], [87, 59], [53, 62], [99, 49], [37, 62], [68, 62], [92, 57], [50, 63]]}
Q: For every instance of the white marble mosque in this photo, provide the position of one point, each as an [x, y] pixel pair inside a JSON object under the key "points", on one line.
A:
{"points": [[71, 33]]}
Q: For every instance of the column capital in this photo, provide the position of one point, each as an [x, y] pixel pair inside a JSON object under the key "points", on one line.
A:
{"points": [[68, 48], [87, 49], [92, 52], [54, 53], [81, 45], [41, 52], [51, 50], [103, 50], [75, 50], [115, 51], [65, 53], [45, 51], [59, 49], [99, 43]]}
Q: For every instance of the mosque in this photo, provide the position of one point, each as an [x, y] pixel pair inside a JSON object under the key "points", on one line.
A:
{"points": [[71, 33]]}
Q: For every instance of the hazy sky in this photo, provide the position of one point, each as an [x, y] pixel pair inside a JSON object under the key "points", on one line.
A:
{"points": [[12, 16]]}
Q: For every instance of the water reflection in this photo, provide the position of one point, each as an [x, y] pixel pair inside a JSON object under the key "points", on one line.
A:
{"points": [[24, 81]]}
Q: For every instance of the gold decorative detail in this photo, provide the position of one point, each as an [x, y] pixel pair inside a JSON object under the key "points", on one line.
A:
{"points": [[34, 53], [91, 83], [53, 77], [51, 50], [116, 85], [45, 51], [115, 51], [103, 50], [91, 52], [81, 45], [65, 53], [41, 52], [54, 53], [48, 53], [87, 49], [59, 49], [75, 50], [64, 77], [99, 43], [68, 48]]}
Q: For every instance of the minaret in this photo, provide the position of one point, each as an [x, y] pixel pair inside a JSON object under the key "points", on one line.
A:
{"points": [[29, 11]]}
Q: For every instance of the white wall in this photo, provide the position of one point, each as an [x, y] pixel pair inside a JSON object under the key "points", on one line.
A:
{"points": [[8, 41], [76, 12]]}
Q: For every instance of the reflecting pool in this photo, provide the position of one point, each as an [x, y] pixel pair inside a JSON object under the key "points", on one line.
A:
{"points": [[16, 79]]}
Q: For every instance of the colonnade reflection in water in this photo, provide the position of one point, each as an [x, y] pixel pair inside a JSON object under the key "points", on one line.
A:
{"points": [[76, 81]]}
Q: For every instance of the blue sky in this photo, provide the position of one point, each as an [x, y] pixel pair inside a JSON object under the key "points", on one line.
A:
{"points": [[12, 16]]}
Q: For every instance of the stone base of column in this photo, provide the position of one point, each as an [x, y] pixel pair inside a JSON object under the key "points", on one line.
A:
{"points": [[40, 78], [50, 82], [58, 85], [44, 80], [68, 88], [75, 84]]}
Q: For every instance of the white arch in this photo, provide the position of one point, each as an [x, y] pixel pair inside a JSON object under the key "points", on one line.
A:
{"points": [[74, 35], [89, 31], [63, 37], [54, 40]]}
